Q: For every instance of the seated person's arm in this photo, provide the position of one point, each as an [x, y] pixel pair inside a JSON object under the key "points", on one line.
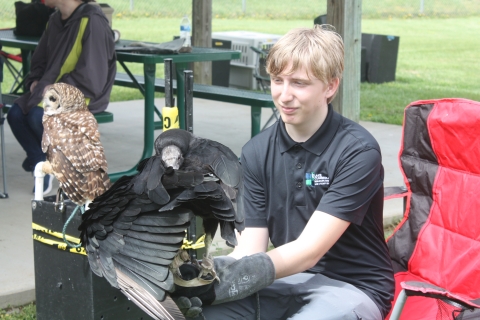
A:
{"points": [[252, 240], [319, 235], [92, 69], [38, 63]]}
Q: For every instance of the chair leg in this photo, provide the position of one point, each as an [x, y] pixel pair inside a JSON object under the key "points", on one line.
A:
{"points": [[398, 307], [3, 195]]}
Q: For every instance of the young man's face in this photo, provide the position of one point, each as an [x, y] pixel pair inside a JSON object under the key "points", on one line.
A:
{"points": [[301, 101]]}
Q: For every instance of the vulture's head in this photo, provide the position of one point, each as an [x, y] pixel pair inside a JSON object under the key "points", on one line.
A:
{"points": [[171, 145], [172, 157]]}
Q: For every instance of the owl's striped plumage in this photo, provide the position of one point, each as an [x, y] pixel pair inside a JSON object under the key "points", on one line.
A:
{"points": [[72, 142]]}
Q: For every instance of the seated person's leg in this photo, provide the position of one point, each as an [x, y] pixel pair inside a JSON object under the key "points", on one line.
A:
{"points": [[28, 130], [244, 309], [327, 299], [301, 296], [277, 302]]}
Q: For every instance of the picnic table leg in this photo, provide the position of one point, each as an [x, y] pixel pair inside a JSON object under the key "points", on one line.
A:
{"points": [[26, 59], [256, 117], [149, 125]]}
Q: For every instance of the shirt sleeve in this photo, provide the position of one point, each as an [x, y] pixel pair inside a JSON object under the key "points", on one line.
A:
{"points": [[254, 195], [91, 71], [357, 179], [39, 60]]}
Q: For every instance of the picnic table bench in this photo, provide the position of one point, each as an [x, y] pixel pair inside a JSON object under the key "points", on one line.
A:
{"points": [[101, 117], [255, 100]]}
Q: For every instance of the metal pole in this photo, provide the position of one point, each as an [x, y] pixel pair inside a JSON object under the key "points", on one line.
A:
{"points": [[196, 227], [421, 6], [244, 6], [170, 118], [131, 5], [2, 142], [169, 83], [188, 100]]}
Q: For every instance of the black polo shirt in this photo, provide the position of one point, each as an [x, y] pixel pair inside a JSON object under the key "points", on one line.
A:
{"points": [[337, 171]]}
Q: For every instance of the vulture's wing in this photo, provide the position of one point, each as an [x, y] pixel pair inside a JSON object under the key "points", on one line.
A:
{"points": [[149, 180], [132, 245]]}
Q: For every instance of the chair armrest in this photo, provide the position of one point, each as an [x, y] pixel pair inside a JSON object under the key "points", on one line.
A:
{"points": [[394, 192], [425, 289]]}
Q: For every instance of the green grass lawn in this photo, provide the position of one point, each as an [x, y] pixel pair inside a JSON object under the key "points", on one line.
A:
{"points": [[437, 57], [27, 312]]}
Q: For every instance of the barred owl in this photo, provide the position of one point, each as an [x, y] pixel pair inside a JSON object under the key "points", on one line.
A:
{"points": [[72, 142]]}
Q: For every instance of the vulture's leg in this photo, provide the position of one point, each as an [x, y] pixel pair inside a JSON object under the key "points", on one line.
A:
{"points": [[180, 258], [207, 267]]}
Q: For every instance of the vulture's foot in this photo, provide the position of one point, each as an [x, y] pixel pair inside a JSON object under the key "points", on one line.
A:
{"points": [[181, 257], [207, 269]]}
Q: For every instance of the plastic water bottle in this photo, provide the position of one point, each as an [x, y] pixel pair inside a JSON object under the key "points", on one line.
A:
{"points": [[185, 29]]}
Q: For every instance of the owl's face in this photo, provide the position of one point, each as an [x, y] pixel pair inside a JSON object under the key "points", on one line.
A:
{"points": [[62, 98]]}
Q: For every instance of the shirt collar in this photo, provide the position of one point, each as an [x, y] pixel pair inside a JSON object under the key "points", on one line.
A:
{"points": [[317, 143]]}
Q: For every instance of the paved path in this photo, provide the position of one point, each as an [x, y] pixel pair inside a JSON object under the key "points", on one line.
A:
{"points": [[123, 141]]}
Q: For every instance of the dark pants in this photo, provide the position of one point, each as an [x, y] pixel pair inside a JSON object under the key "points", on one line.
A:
{"points": [[28, 130]]}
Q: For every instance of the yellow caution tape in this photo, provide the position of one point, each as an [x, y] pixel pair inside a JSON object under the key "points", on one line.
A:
{"points": [[54, 233], [59, 245], [170, 118], [200, 243]]}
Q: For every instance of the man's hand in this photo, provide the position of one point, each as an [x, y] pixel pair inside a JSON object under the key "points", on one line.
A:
{"points": [[33, 85], [238, 279]]}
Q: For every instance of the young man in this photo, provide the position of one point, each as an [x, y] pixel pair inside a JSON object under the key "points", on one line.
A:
{"points": [[76, 48], [314, 187]]}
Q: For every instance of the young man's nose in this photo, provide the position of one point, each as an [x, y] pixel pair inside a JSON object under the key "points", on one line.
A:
{"points": [[286, 92]]}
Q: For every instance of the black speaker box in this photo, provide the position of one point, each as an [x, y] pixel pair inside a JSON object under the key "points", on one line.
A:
{"points": [[322, 19], [363, 64], [380, 57], [65, 287]]}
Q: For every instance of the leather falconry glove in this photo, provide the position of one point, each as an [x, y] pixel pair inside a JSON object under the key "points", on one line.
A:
{"points": [[236, 279]]}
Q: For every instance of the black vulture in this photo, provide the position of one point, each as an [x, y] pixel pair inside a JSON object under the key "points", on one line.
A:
{"points": [[133, 233]]}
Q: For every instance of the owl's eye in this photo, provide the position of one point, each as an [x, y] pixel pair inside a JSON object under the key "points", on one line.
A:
{"points": [[52, 98]]}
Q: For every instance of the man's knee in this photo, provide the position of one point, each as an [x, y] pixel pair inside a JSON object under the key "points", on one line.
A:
{"points": [[34, 119], [14, 115]]}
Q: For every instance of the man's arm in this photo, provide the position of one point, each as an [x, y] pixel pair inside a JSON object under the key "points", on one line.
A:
{"points": [[251, 241], [91, 71], [319, 235]]}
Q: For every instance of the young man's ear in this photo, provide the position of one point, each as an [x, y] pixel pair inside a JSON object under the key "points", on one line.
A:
{"points": [[333, 87]]}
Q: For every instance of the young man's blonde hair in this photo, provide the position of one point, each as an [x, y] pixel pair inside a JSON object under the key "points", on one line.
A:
{"points": [[319, 50]]}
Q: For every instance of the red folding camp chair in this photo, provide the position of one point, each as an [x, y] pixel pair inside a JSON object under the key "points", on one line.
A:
{"points": [[435, 249]]}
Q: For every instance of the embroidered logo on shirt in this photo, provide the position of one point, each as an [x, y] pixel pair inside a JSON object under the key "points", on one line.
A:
{"points": [[314, 179]]}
